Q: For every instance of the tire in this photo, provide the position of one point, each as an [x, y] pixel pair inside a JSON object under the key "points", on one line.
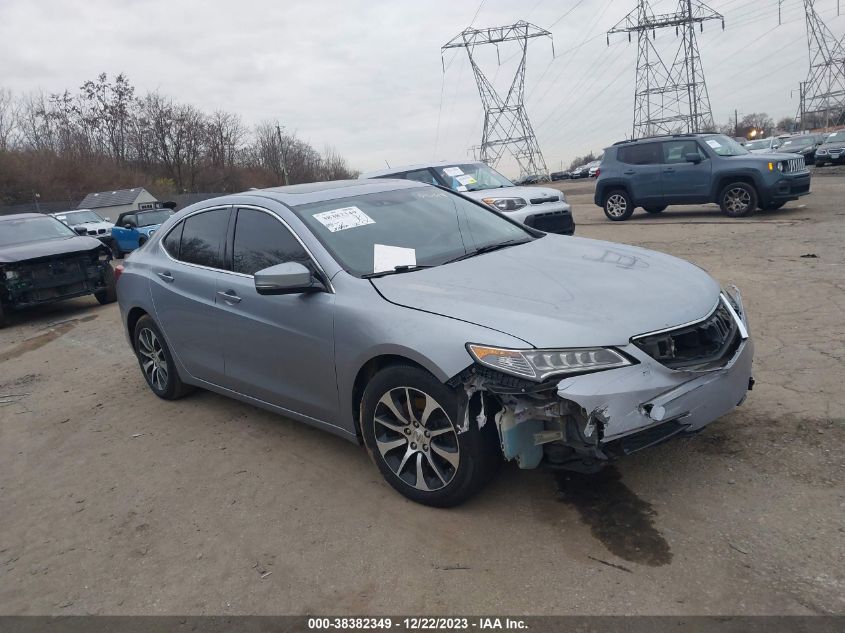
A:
{"points": [[738, 200], [2, 316], [141, 241], [109, 294], [618, 205], [659, 209], [115, 250], [150, 347], [424, 458]]}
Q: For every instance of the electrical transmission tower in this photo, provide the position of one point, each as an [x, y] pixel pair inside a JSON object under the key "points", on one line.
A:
{"points": [[823, 94], [669, 99], [506, 124]]}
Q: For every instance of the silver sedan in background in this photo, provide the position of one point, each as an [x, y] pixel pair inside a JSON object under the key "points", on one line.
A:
{"points": [[443, 335]]}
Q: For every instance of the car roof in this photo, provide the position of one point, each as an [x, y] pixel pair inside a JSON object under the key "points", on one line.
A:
{"points": [[21, 216], [295, 195], [403, 168], [661, 137]]}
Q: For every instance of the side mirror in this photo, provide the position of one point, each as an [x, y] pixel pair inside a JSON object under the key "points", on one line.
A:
{"points": [[286, 279], [81, 230], [693, 158]]}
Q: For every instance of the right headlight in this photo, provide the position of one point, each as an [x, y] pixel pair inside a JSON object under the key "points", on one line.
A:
{"points": [[538, 364], [821, 151], [505, 204]]}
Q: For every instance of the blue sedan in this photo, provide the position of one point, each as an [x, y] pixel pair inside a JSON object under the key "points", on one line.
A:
{"points": [[133, 228]]}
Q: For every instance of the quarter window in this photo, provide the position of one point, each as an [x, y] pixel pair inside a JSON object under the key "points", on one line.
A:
{"points": [[262, 241], [171, 240], [642, 154], [203, 237]]}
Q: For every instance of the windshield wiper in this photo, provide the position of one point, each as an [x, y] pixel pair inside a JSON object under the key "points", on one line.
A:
{"points": [[404, 268], [489, 248]]}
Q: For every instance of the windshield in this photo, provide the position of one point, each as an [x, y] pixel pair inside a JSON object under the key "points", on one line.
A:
{"points": [[421, 226], [472, 177], [836, 137], [149, 218], [796, 143], [32, 230], [761, 144], [725, 146], [79, 217]]}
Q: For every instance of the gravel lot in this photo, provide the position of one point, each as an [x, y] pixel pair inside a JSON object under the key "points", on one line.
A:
{"points": [[114, 502]]}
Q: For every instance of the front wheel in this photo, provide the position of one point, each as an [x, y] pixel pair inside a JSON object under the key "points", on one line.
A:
{"points": [[738, 200], [409, 421], [109, 293], [618, 206], [156, 361]]}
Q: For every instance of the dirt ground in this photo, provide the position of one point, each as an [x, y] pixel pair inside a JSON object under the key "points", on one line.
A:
{"points": [[115, 502]]}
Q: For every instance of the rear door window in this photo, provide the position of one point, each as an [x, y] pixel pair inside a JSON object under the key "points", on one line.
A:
{"points": [[203, 237], [641, 154]]}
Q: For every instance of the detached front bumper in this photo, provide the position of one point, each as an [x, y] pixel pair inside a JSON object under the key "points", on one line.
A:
{"points": [[789, 187], [590, 419]]}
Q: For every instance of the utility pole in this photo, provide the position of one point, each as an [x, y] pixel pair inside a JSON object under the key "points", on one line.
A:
{"points": [[736, 122], [824, 89], [283, 155], [669, 99], [506, 124]]}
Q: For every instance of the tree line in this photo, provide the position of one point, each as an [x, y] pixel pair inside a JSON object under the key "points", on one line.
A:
{"points": [[61, 146]]}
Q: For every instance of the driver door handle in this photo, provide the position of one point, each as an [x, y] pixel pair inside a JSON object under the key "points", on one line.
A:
{"points": [[629, 172], [229, 297], [166, 276]]}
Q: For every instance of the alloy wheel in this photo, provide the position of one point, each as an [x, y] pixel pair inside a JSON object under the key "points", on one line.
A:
{"points": [[153, 361], [737, 200], [616, 205], [416, 438]]}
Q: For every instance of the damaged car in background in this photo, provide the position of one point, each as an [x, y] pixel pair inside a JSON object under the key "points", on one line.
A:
{"points": [[441, 334], [42, 260]]}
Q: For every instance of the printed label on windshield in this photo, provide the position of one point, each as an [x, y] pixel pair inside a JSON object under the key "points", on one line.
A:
{"points": [[387, 258], [453, 171], [344, 218], [466, 180], [714, 144]]}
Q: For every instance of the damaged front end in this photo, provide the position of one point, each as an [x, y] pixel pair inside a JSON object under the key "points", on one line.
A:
{"points": [[673, 383]]}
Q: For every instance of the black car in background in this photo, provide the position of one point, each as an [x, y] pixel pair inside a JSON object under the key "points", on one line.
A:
{"points": [[42, 261], [803, 144], [560, 175], [832, 150]]}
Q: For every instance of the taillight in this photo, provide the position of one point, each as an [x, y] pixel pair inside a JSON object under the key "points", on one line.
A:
{"points": [[598, 172], [118, 271]]}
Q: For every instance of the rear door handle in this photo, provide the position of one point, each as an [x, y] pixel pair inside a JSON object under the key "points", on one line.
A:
{"points": [[669, 171], [229, 296], [630, 172], [166, 276]]}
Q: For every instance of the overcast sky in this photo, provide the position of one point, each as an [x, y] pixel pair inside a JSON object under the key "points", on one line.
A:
{"points": [[365, 75]]}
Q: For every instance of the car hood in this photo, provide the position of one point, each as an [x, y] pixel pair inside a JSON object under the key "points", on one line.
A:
{"points": [[47, 248], [93, 225], [561, 291], [837, 145], [770, 155], [527, 193]]}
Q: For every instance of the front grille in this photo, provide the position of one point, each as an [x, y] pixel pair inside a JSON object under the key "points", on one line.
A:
{"points": [[545, 199], [552, 222], [794, 165], [708, 344]]}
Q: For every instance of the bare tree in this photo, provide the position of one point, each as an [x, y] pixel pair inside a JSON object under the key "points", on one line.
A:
{"points": [[8, 119]]}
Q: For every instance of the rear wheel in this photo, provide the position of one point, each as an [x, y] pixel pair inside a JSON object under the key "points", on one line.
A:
{"points": [[738, 200], [115, 250], [409, 421], [618, 205], [109, 293], [2, 315], [156, 361], [141, 241], [659, 209]]}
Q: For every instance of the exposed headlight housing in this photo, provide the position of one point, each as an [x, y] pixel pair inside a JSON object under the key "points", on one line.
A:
{"points": [[12, 275], [539, 364], [505, 204]]}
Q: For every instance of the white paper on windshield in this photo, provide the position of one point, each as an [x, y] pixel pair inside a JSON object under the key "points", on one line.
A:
{"points": [[453, 171], [714, 144], [343, 218], [466, 180], [387, 258], [461, 188]]}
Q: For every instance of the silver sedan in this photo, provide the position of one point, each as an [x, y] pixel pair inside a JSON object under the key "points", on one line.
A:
{"points": [[443, 335]]}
